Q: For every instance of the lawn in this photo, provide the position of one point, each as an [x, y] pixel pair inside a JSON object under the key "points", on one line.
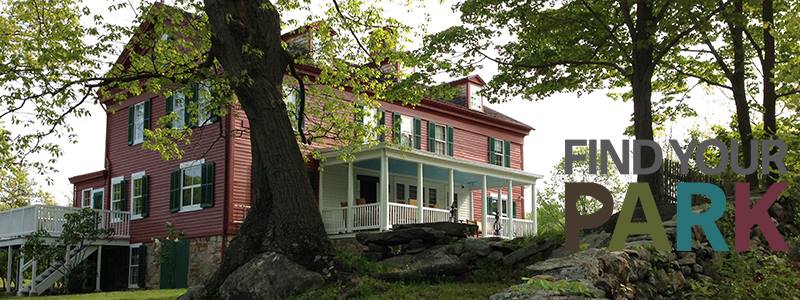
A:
{"points": [[129, 295], [378, 290]]}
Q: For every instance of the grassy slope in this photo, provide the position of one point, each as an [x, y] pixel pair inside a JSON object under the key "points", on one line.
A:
{"points": [[148, 295]]}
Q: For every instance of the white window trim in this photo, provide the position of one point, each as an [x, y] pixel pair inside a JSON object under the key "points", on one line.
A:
{"points": [[138, 123], [472, 104], [500, 152], [131, 265], [410, 132], [179, 122], [185, 165], [83, 203], [437, 141], [502, 197], [203, 116], [134, 177]]}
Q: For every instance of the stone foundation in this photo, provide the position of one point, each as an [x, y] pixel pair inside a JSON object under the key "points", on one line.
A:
{"points": [[205, 255]]}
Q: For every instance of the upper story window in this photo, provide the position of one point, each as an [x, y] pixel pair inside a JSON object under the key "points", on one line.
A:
{"points": [[475, 98], [373, 117], [118, 194], [86, 198], [499, 152], [440, 139], [139, 195], [291, 97], [203, 94], [192, 186], [138, 120], [177, 104], [191, 111], [407, 132]]}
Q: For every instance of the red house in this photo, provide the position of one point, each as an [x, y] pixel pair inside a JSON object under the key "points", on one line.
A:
{"points": [[451, 160]]}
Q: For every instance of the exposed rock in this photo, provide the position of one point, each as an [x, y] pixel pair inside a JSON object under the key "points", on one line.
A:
{"points": [[479, 247], [424, 266], [402, 236], [688, 258], [526, 252], [457, 230], [192, 293], [278, 277]]}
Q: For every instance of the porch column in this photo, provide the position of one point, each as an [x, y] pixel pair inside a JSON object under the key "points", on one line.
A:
{"points": [[420, 193], [350, 197], [99, 261], [33, 278], [384, 197], [510, 209], [319, 188], [9, 263], [20, 273], [484, 208], [534, 206], [451, 189]]}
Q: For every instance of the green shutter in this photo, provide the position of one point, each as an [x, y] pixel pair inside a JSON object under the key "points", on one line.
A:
{"points": [[381, 123], [491, 151], [207, 187], [145, 195], [507, 157], [450, 140], [431, 136], [142, 276], [417, 133], [174, 191], [131, 109], [147, 114], [396, 120], [123, 201], [170, 102]]}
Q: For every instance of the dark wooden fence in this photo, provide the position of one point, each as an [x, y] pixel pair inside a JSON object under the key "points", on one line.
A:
{"points": [[671, 174]]}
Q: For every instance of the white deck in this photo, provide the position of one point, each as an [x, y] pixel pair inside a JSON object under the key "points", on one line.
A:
{"points": [[17, 224]]}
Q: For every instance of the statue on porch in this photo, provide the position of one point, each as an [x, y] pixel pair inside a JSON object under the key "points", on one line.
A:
{"points": [[454, 212], [498, 226]]}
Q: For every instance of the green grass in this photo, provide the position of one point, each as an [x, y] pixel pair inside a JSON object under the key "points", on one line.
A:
{"points": [[373, 289], [129, 295]]}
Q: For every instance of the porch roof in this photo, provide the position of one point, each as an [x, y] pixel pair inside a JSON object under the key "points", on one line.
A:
{"points": [[334, 157]]}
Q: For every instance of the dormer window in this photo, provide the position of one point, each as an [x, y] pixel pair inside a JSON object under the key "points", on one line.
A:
{"points": [[475, 98], [300, 45]]}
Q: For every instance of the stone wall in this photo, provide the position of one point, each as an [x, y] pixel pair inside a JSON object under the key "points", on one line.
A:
{"points": [[205, 255]]}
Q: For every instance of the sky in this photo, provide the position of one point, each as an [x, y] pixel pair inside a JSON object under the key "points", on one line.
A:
{"points": [[543, 148]]}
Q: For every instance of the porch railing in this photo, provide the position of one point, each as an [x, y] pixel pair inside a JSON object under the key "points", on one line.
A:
{"points": [[366, 216], [30, 219], [402, 213], [430, 215]]}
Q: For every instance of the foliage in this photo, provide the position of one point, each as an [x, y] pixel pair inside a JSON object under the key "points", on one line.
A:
{"points": [[551, 197], [80, 229], [750, 275], [561, 286], [18, 190]]}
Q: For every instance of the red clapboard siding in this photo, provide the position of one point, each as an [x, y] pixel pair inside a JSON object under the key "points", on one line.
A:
{"points": [[125, 160], [87, 183]]}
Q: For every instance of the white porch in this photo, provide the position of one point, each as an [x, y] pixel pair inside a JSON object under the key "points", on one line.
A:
{"points": [[384, 185], [17, 225]]}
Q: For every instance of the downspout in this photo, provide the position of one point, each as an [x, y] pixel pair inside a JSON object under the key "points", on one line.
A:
{"points": [[107, 188], [228, 179]]}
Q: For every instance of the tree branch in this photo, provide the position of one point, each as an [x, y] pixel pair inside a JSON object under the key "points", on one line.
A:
{"points": [[302, 105], [675, 40]]}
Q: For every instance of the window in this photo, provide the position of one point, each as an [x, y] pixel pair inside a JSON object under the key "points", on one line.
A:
{"points": [[412, 192], [97, 198], [138, 123], [86, 198], [178, 100], [371, 121], [432, 199], [117, 193], [475, 98], [138, 190], [400, 192], [190, 187], [203, 98], [499, 152], [133, 271], [407, 131], [440, 139]]}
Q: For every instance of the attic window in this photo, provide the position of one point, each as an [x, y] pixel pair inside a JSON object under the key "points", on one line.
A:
{"points": [[299, 45], [475, 98]]}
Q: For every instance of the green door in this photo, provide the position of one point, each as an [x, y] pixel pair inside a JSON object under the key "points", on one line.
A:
{"points": [[175, 268]]}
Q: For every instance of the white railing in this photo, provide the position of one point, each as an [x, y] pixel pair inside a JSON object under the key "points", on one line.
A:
{"points": [[27, 220], [523, 227], [335, 219], [366, 216], [402, 214], [430, 215]]}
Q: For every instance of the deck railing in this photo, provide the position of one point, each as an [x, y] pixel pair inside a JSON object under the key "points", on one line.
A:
{"points": [[430, 215], [402, 213], [30, 219]]}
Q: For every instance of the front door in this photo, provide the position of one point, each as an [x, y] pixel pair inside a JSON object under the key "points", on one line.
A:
{"points": [[368, 188]]}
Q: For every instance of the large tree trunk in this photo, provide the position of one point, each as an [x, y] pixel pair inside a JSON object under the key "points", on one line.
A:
{"points": [[739, 87], [642, 87], [769, 94], [284, 217]]}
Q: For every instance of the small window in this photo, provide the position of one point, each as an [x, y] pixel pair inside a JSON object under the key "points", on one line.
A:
{"points": [[138, 123], [191, 181], [116, 193], [400, 192], [432, 199], [440, 138], [137, 195], [499, 153], [412, 192], [179, 108], [86, 198], [203, 99], [407, 131], [475, 98]]}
